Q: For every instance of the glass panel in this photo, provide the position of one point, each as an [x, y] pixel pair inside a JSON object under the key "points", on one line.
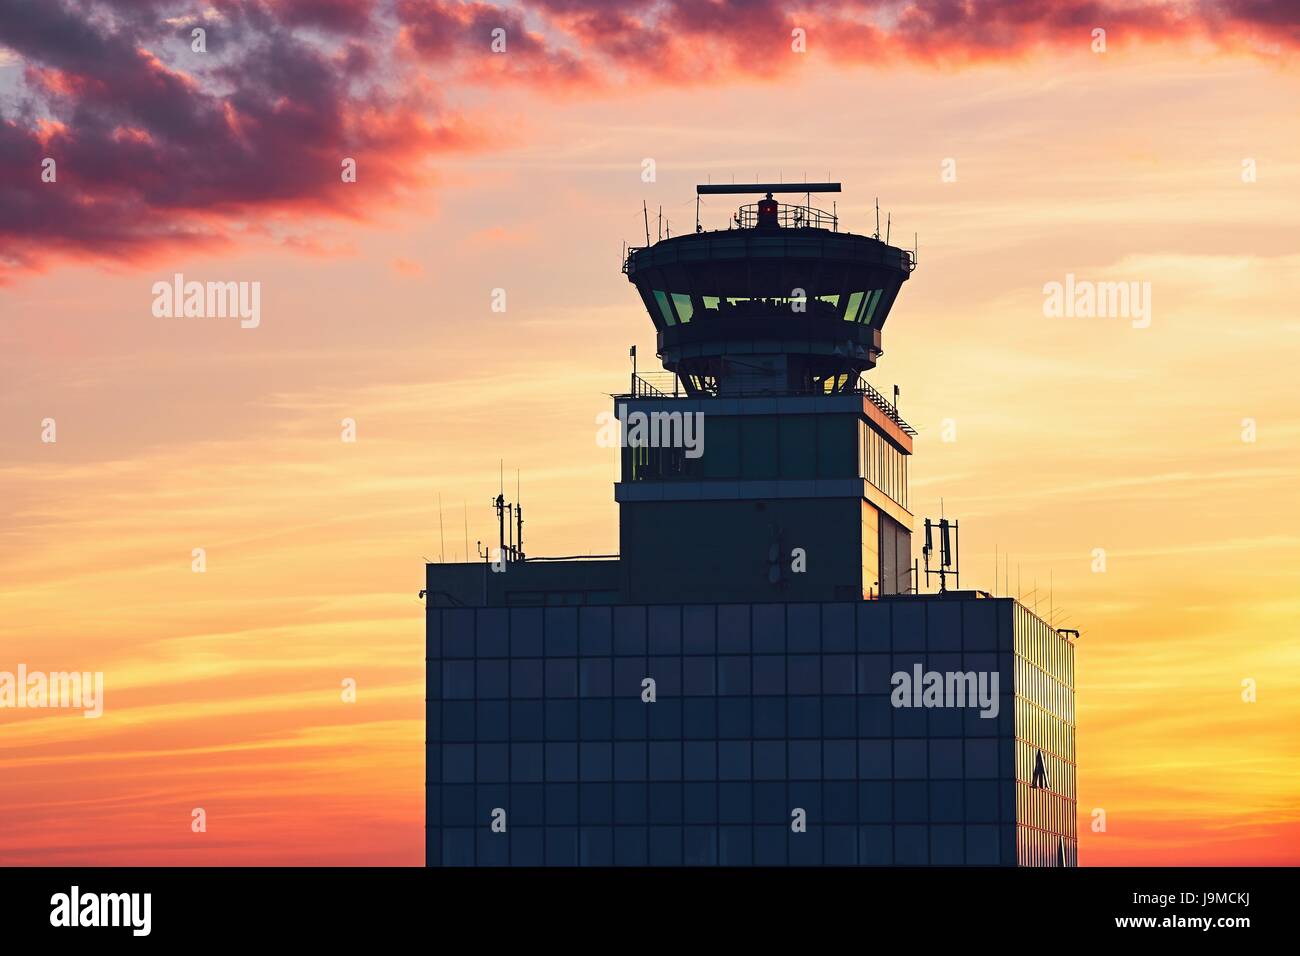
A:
{"points": [[722, 449], [872, 302], [758, 448], [836, 443], [665, 308], [821, 303], [684, 307], [870, 553], [855, 303], [798, 446]]}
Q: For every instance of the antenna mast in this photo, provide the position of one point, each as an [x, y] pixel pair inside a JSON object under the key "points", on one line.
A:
{"points": [[519, 518], [500, 506], [949, 551]]}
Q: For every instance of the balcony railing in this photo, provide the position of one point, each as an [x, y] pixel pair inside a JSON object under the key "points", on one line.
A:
{"points": [[667, 385], [656, 385], [886, 406], [790, 217]]}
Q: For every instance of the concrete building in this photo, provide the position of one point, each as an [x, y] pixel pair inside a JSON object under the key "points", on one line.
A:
{"points": [[756, 678]]}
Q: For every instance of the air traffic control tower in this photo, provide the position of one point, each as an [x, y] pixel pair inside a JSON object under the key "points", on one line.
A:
{"points": [[729, 689], [765, 331]]}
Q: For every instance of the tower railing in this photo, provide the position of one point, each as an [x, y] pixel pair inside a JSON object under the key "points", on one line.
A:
{"points": [[790, 217], [651, 385], [667, 385], [886, 406]]}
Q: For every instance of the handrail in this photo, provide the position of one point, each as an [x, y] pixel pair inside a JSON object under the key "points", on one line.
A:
{"points": [[641, 388], [791, 217], [886, 406]]}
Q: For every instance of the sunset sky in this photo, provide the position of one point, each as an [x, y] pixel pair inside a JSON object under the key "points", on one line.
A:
{"points": [[522, 171]]}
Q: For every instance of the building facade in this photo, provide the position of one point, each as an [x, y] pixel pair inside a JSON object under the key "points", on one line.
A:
{"points": [[539, 722], [756, 678]]}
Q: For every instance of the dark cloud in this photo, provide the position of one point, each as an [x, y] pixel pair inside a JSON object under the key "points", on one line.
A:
{"points": [[158, 146]]}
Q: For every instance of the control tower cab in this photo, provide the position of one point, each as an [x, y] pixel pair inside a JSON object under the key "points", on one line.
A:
{"points": [[781, 302]]}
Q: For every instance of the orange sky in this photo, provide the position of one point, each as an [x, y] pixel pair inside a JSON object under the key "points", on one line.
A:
{"points": [[223, 688]]}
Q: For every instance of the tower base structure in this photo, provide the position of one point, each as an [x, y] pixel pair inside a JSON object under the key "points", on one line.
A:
{"points": [[918, 729]]}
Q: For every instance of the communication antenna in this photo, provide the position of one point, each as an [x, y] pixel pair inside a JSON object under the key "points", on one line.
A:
{"points": [[465, 505], [888, 217], [949, 548], [519, 518], [442, 537], [877, 235], [661, 222], [645, 213], [499, 505]]}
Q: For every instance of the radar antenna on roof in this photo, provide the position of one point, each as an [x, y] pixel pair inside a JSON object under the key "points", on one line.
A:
{"points": [[705, 189]]}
